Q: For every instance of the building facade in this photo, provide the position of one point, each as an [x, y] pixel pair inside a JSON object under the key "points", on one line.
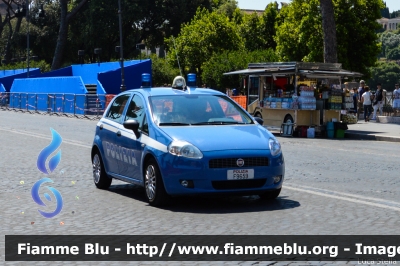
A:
{"points": [[389, 24]]}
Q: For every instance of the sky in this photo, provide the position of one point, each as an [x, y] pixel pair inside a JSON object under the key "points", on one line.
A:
{"points": [[393, 5]]}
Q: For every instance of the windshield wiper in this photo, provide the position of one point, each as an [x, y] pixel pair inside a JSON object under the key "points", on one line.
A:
{"points": [[218, 123], [173, 124]]}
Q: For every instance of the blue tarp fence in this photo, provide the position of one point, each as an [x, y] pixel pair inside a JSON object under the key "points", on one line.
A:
{"points": [[76, 104]]}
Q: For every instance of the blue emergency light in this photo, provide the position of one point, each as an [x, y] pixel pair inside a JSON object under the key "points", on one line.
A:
{"points": [[146, 80], [191, 80]]}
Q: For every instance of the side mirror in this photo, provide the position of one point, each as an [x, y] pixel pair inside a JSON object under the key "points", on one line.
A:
{"points": [[259, 120], [133, 125]]}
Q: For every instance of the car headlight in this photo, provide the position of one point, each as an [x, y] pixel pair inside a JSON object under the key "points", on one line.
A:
{"points": [[274, 146], [184, 149]]}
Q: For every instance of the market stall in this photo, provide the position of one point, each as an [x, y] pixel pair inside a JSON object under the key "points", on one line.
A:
{"points": [[297, 93]]}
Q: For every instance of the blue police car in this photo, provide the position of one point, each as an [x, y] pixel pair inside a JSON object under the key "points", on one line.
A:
{"points": [[184, 140]]}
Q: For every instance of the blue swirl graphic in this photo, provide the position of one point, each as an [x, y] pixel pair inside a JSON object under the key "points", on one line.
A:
{"points": [[45, 153], [38, 200]]}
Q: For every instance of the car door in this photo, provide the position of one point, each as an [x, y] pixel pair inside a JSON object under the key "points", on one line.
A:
{"points": [[132, 146], [108, 132]]}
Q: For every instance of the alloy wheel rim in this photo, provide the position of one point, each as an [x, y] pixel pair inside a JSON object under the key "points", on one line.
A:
{"points": [[150, 182], [96, 168]]}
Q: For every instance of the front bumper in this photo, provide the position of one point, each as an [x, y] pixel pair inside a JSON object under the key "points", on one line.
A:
{"points": [[206, 180]]}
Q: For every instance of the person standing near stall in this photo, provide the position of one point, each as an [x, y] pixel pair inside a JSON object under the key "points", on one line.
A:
{"points": [[361, 91], [378, 101], [367, 104], [396, 97], [355, 100]]}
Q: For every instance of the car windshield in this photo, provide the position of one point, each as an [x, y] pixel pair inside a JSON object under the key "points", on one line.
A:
{"points": [[185, 110]]}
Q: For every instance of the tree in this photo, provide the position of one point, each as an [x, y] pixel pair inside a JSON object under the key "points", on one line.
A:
{"points": [[389, 41], [207, 34], [65, 18], [387, 73], [268, 25], [148, 22], [227, 8], [252, 32], [299, 36], [227, 61], [329, 30], [394, 54], [385, 12], [395, 14], [163, 73], [299, 32]]}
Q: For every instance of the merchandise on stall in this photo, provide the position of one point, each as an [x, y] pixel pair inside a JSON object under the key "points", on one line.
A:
{"points": [[307, 100], [335, 98], [348, 116]]}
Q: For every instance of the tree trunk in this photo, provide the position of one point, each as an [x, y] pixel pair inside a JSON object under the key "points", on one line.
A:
{"points": [[62, 38], [329, 29], [8, 53]]}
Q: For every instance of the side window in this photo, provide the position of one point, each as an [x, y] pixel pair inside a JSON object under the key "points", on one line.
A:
{"points": [[145, 127], [136, 110], [117, 108]]}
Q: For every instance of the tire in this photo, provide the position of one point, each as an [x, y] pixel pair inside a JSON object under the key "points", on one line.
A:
{"points": [[258, 115], [100, 178], [154, 185], [288, 119], [270, 195]]}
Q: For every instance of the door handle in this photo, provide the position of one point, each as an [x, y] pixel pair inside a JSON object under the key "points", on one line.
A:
{"points": [[101, 126], [119, 133]]}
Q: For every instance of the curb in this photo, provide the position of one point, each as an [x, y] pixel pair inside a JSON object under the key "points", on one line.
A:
{"points": [[350, 135], [357, 136]]}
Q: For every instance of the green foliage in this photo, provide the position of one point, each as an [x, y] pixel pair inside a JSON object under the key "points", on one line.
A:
{"points": [[395, 14], [228, 8], [385, 12], [42, 65], [228, 61], [257, 31], [269, 19], [387, 73], [389, 40], [394, 54], [207, 34], [251, 32], [163, 73], [299, 36]]}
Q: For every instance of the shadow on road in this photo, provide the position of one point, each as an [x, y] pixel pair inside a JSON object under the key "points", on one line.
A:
{"points": [[211, 204]]}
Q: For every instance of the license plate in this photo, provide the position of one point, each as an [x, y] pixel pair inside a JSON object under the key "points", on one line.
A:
{"points": [[240, 174]]}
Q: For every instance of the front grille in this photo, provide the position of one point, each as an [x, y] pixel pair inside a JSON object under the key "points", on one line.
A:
{"points": [[231, 162], [238, 184]]}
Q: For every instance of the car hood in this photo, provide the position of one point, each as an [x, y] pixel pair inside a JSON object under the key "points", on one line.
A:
{"points": [[222, 137]]}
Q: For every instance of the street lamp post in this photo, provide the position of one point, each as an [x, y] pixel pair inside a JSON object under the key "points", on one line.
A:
{"points": [[121, 50]]}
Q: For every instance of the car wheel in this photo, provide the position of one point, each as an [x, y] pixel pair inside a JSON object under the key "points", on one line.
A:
{"points": [[270, 195], [258, 115], [100, 178], [154, 185]]}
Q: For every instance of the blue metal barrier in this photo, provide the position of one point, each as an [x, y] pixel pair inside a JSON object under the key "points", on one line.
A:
{"points": [[4, 99], [55, 103]]}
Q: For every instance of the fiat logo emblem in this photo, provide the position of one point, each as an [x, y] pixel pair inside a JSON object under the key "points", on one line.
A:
{"points": [[240, 162]]}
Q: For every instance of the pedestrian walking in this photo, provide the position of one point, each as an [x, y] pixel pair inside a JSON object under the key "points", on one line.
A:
{"points": [[355, 100], [378, 101], [367, 104], [361, 91], [396, 97]]}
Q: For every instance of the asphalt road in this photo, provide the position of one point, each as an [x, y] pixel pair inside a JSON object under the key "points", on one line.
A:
{"points": [[331, 187]]}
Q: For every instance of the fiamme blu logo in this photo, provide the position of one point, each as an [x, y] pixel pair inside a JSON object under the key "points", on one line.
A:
{"points": [[52, 165]]}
